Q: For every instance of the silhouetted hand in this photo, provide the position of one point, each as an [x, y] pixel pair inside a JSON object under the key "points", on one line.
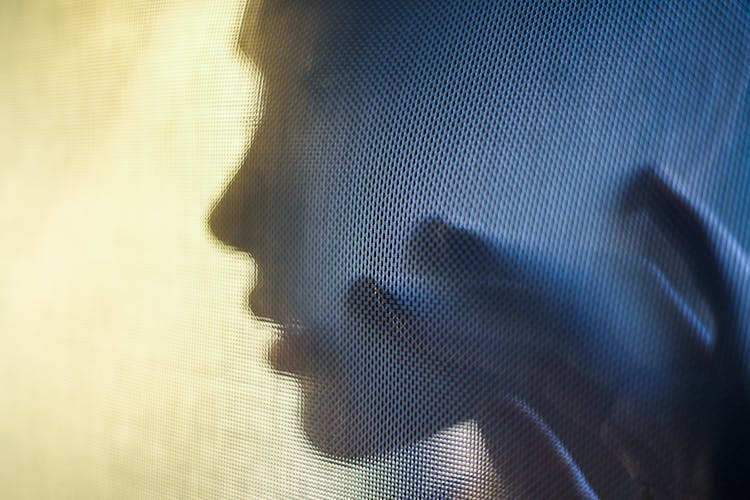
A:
{"points": [[610, 348]]}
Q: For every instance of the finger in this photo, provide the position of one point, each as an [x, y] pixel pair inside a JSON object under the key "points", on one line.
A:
{"points": [[439, 249], [722, 271], [717, 262], [411, 325], [394, 324], [682, 220], [530, 460]]}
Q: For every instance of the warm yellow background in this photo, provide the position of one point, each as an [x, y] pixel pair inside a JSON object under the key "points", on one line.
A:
{"points": [[129, 367]]}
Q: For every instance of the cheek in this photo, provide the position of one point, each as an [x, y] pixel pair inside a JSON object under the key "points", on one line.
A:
{"points": [[359, 208]]}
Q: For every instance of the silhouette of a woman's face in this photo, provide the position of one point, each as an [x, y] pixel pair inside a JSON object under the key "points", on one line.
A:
{"points": [[324, 202], [380, 121], [386, 132]]}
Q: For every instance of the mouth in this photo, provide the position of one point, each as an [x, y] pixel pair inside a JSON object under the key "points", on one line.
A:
{"points": [[290, 351], [377, 318]]}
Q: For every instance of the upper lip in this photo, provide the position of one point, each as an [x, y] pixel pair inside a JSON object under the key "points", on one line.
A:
{"points": [[263, 308]]}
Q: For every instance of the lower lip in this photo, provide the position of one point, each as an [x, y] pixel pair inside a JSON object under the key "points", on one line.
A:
{"points": [[280, 357], [290, 353]]}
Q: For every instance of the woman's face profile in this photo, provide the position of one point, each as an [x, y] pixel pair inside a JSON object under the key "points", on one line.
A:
{"points": [[324, 202], [377, 120], [369, 137], [386, 127]]}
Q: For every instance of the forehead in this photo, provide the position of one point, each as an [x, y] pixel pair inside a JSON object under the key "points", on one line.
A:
{"points": [[534, 75], [287, 25], [286, 33], [284, 28]]}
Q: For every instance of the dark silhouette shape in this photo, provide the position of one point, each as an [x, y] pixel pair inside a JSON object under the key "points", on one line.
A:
{"points": [[609, 371]]}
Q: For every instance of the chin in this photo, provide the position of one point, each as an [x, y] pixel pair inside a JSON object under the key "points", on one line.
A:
{"points": [[353, 417], [345, 422]]}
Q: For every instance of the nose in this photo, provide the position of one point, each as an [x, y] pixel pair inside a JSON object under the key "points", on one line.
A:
{"points": [[231, 218], [256, 214], [239, 216]]}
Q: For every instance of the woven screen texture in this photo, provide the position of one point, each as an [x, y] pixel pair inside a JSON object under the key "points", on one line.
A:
{"points": [[399, 249]]}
